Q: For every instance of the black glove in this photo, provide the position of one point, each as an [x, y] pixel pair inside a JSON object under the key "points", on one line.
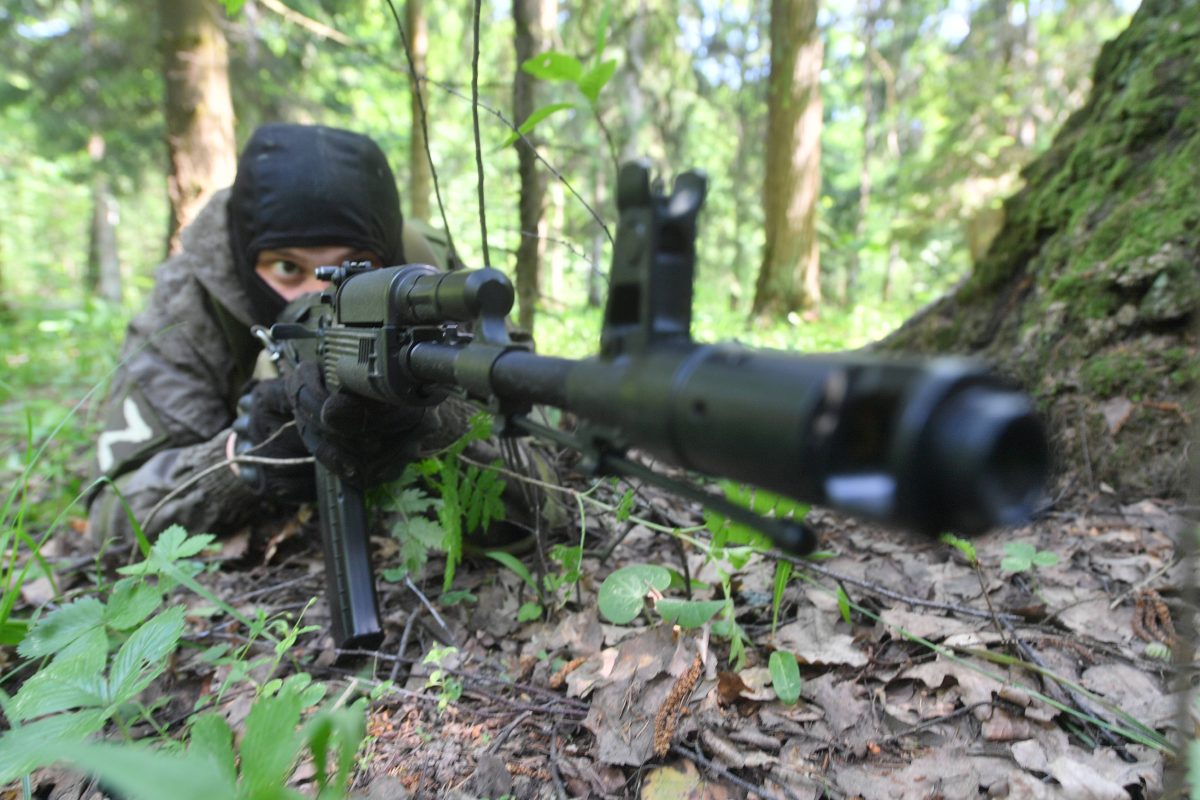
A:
{"points": [[266, 428], [363, 441]]}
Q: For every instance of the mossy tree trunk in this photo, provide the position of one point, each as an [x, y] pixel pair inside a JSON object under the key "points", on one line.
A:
{"points": [[1089, 293]]}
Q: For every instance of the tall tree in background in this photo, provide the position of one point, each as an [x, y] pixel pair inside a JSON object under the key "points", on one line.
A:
{"points": [[199, 110], [420, 177], [790, 276], [533, 21], [103, 273]]}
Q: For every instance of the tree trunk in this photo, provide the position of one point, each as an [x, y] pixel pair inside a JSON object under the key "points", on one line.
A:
{"points": [[104, 264], [199, 111], [861, 227], [789, 278], [420, 176], [1089, 294], [530, 31]]}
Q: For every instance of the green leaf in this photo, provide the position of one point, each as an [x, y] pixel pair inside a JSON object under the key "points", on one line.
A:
{"points": [[139, 773], [174, 543], [625, 507], [132, 600], [602, 28], [514, 564], [59, 628], [212, 739], [1023, 550], [594, 80], [232, 7], [143, 655], [624, 591], [61, 685], [40, 743], [688, 613], [12, 631], [843, 602], [1020, 556], [271, 742], [1011, 564], [1045, 558], [962, 545], [533, 119], [90, 650], [554, 66], [783, 573], [453, 598], [528, 612], [785, 676]]}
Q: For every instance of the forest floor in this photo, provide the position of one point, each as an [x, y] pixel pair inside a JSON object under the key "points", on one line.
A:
{"points": [[948, 681]]}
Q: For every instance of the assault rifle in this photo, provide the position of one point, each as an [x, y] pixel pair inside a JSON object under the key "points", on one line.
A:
{"points": [[928, 445]]}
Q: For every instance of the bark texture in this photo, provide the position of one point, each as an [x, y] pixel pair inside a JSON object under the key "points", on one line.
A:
{"points": [[531, 23], [199, 110], [789, 278], [1089, 293]]}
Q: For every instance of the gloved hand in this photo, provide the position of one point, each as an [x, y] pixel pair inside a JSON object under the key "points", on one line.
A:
{"points": [[266, 428], [364, 441]]}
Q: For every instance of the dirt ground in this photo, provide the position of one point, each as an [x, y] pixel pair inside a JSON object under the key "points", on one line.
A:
{"points": [[948, 681]]}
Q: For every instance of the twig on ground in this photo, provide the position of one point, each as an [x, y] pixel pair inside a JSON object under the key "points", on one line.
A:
{"points": [[559, 786], [502, 737], [312, 576], [432, 611], [888, 593], [723, 773], [404, 636], [929, 723]]}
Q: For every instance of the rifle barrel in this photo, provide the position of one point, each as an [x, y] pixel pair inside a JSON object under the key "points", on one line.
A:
{"points": [[929, 445]]}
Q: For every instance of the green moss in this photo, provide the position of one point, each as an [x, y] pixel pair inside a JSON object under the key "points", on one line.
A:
{"points": [[1089, 299], [1104, 375]]}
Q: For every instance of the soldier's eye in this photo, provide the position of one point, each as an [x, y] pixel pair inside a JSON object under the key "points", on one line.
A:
{"points": [[285, 269]]}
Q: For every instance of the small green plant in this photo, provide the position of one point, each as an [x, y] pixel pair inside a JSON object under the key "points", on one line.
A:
{"points": [[785, 676], [1024, 557], [466, 499], [961, 545], [449, 687]]}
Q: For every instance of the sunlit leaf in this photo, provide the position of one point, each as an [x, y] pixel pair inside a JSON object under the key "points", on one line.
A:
{"points": [[623, 593], [785, 676], [594, 80], [533, 119], [554, 66], [688, 613]]}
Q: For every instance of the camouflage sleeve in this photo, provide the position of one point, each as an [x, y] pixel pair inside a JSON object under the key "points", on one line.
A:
{"points": [[191, 486], [166, 421]]}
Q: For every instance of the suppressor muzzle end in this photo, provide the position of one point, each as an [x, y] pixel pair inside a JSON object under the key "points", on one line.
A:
{"points": [[990, 458]]}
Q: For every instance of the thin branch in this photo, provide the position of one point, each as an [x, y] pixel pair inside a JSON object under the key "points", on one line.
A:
{"points": [[308, 23], [450, 90], [888, 593], [487, 261]]}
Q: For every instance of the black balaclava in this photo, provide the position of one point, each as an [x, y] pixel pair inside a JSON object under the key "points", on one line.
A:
{"points": [[310, 186]]}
